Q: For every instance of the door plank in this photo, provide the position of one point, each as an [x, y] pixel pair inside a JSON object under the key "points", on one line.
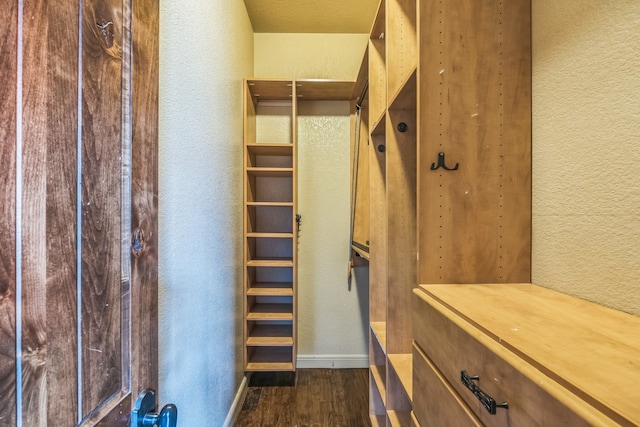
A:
{"points": [[34, 242], [144, 274], [101, 208], [8, 77], [61, 219]]}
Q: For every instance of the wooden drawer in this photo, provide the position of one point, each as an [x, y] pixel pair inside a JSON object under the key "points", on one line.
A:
{"points": [[454, 344], [435, 403]]}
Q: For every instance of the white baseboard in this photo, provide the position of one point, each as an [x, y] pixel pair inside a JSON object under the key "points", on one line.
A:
{"points": [[236, 406], [333, 361]]}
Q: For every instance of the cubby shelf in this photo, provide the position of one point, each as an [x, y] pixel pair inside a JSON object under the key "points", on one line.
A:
{"points": [[379, 330], [399, 418], [270, 358], [264, 311], [402, 364], [284, 289], [275, 172]]}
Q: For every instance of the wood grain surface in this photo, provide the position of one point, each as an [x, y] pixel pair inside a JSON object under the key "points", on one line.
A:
{"points": [[101, 194], [61, 218], [474, 97], [48, 142], [8, 77], [34, 198], [401, 227], [319, 397], [594, 348], [144, 209]]}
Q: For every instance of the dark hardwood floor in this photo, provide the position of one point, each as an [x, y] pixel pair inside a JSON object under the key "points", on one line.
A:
{"points": [[310, 398]]}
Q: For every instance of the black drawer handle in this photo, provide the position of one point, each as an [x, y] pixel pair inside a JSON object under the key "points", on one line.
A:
{"points": [[487, 401]]}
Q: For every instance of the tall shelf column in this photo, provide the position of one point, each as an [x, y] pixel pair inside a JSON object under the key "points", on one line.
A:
{"points": [[270, 237], [392, 168], [271, 227]]}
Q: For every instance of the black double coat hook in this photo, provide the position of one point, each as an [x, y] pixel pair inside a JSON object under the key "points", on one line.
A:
{"points": [[442, 165]]}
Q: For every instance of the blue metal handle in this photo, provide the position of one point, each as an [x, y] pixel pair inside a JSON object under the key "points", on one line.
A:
{"points": [[142, 415]]}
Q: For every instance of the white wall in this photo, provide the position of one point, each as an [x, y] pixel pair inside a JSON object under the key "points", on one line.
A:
{"points": [[332, 311], [206, 49], [309, 56], [586, 149]]}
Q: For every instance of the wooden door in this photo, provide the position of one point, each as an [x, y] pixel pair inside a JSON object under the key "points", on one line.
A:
{"points": [[78, 199]]}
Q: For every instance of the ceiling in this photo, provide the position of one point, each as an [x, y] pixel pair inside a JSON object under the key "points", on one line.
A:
{"points": [[311, 16]]}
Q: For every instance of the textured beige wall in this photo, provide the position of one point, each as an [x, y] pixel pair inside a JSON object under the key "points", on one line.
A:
{"points": [[309, 56], [586, 149], [206, 49], [332, 316]]}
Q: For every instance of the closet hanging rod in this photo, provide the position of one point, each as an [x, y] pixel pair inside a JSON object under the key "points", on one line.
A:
{"points": [[362, 95]]}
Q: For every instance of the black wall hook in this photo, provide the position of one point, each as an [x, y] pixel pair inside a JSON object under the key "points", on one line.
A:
{"points": [[442, 165]]}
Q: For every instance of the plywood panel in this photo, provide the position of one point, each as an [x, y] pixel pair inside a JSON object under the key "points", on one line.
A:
{"points": [[401, 227], [378, 232], [475, 220], [377, 67], [101, 209], [401, 43], [8, 76], [515, 110]]}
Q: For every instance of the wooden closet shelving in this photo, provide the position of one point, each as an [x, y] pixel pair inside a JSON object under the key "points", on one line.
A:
{"points": [[449, 85], [392, 210], [270, 211], [269, 225]]}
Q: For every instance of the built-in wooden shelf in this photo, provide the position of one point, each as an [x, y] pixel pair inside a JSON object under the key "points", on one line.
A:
{"points": [[270, 209], [270, 241], [270, 263], [378, 374], [378, 420], [378, 126], [402, 364], [399, 418], [270, 335], [272, 89], [282, 289], [266, 311], [270, 235], [270, 358], [270, 204], [363, 254], [380, 332], [406, 96], [324, 90], [270, 341], [269, 149], [270, 172]]}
